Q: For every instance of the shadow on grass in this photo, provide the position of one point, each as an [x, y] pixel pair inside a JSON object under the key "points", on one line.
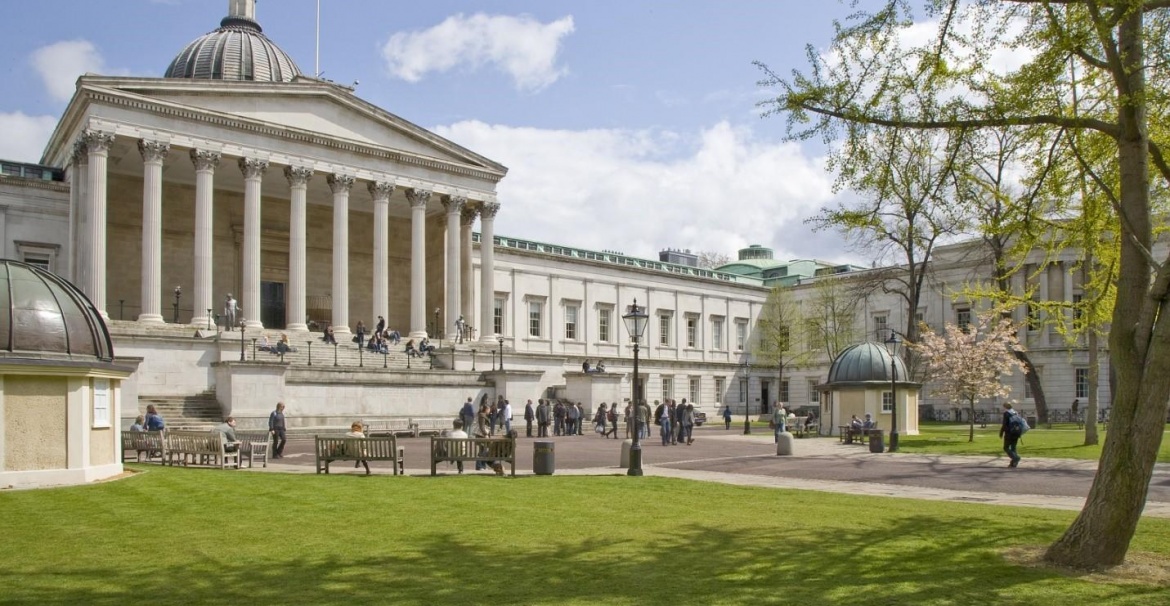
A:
{"points": [[520, 543]]}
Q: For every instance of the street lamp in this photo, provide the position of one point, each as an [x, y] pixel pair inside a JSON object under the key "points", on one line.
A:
{"points": [[747, 390], [500, 340], [242, 358], [178, 293], [892, 346], [636, 320], [438, 334]]}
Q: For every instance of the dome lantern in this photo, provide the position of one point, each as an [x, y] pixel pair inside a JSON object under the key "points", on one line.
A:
{"points": [[237, 50]]}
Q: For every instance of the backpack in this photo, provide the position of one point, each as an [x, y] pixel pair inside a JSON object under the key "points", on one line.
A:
{"points": [[1017, 425]]}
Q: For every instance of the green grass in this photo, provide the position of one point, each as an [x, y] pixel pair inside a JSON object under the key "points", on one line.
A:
{"points": [[180, 536], [1062, 442]]}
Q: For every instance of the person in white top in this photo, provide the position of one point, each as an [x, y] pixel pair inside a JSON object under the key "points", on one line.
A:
{"points": [[456, 431], [507, 417]]}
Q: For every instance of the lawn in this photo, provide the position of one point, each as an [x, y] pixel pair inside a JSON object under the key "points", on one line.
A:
{"points": [[1062, 441], [185, 536]]}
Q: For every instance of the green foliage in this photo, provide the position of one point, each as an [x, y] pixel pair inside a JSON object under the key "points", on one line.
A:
{"points": [[184, 536]]}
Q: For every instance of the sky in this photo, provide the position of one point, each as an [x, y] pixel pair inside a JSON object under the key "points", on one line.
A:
{"points": [[627, 125]]}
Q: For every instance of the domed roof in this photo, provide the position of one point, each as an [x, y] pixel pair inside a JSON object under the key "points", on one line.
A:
{"points": [[238, 50], [42, 315], [863, 363]]}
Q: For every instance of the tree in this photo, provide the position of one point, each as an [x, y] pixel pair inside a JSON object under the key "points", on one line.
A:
{"points": [[831, 316], [966, 365], [710, 259], [906, 178], [775, 345], [870, 80]]}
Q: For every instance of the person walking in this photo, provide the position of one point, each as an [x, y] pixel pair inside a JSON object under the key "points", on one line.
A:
{"points": [[467, 414], [277, 427], [580, 419], [613, 422], [1010, 435], [688, 424], [726, 417], [529, 416], [664, 428], [600, 419]]}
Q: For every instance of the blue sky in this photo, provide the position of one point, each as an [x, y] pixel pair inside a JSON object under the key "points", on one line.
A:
{"points": [[626, 125]]}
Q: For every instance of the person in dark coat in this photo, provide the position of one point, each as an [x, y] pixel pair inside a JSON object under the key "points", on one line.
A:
{"points": [[1010, 438], [276, 426], [529, 416], [542, 418]]}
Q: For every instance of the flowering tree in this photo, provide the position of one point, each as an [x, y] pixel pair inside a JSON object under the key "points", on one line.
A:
{"points": [[966, 364]]}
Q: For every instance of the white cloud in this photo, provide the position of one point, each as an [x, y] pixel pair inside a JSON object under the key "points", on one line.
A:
{"points": [[641, 191], [521, 47], [61, 63], [24, 136]]}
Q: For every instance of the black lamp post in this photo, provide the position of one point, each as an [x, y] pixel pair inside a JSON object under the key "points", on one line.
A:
{"points": [[242, 358], [253, 349], [438, 334], [892, 346], [472, 359], [310, 348], [500, 340], [747, 390], [636, 320], [178, 293]]}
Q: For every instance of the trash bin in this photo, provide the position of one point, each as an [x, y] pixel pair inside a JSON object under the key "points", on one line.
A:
{"points": [[1031, 420], [544, 458], [877, 442]]}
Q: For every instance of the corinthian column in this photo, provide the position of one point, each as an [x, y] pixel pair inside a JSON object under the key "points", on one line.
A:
{"points": [[381, 192], [253, 169], [97, 145], [340, 184], [487, 272], [205, 163], [454, 206], [153, 154], [418, 261], [466, 285], [79, 180], [298, 182]]}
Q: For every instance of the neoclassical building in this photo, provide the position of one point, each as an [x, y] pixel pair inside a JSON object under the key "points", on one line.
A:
{"points": [[236, 174]]}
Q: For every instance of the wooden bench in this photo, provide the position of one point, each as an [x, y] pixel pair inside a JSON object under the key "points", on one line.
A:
{"points": [[381, 448], [389, 427], [849, 435], [254, 444], [200, 447], [432, 425], [489, 450], [149, 443]]}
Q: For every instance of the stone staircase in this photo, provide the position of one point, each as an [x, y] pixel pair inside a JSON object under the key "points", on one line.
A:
{"points": [[319, 354], [201, 411]]}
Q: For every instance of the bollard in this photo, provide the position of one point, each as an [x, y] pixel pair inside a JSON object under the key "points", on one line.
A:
{"points": [[784, 444], [624, 461]]}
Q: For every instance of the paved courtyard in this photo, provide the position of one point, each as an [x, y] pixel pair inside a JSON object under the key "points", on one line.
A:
{"points": [[825, 464]]}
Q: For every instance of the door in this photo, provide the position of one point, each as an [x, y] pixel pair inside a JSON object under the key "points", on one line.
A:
{"points": [[765, 397], [272, 312]]}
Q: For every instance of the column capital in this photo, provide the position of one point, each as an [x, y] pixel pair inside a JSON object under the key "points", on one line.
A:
{"points": [[298, 176], [253, 168], [339, 183], [204, 159], [418, 198], [380, 190], [488, 210], [453, 204], [467, 218], [153, 151], [80, 151], [97, 141]]}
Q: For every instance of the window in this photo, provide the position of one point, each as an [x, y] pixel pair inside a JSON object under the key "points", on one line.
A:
{"points": [[1082, 383], [667, 387], [919, 317], [603, 324], [1033, 312], [694, 390], [784, 391], [887, 401], [664, 328], [43, 256], [717, 334], [963, 318], [692, 331], [813, 394], [498, 316], [571, 322], [101, 403], [743, 390], [740, 334], [718, 390], [881, 327], [535, 313], [1077, 311]]}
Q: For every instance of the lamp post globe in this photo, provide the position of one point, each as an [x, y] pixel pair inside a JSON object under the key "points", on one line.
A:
{"points": [[635, 319], [892, 347]]}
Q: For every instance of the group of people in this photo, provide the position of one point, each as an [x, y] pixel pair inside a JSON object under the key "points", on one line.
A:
{"points": [[566, 419], [676, 422], [380, 340], [422, 350], [490, 417], [282, 346]]}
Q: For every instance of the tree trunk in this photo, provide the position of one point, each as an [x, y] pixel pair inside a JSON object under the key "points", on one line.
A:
{"points": [[1139, 343], [1094, 382], [1033, 379], [971, 424]]}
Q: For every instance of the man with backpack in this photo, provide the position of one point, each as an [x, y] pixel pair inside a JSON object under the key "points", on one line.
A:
{"points": [[1013, 427]]}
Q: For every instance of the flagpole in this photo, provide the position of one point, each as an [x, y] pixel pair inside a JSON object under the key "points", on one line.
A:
{"points": [[317, 55]]}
